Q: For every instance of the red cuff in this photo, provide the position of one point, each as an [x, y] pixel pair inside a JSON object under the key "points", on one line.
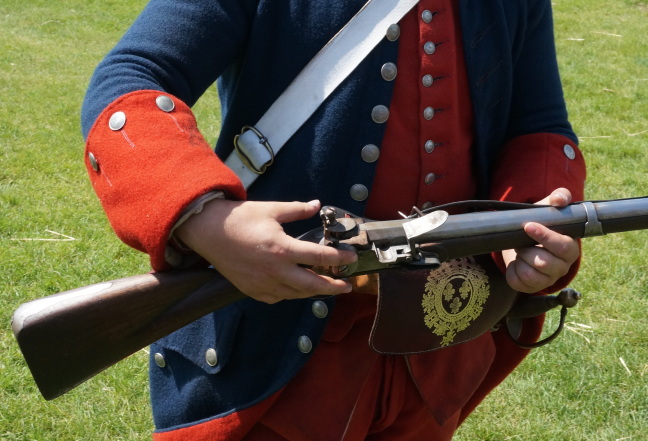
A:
{"points": [[147, 161], [530, 168]]}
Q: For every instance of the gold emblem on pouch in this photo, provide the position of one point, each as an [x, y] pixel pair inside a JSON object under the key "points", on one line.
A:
{"points": [[454, 297]]}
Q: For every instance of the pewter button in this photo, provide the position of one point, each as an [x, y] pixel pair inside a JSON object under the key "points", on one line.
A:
{"points": [[211, 357], [380, 114], [165, 103], [388, 71], [370, 153], [359, 192], [569, 151], [426, 16], [429, 146], [429, 48], [430, 178], [428, 113], [305, 344], [117, 121], [93, 162], [159, 360], [393, 32], [320, 309], [427, 80]]}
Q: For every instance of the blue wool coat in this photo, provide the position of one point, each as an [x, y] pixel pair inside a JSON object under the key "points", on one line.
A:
{"points": [[255, 48]]}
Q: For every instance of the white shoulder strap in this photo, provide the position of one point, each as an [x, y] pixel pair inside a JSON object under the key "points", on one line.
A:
{"points": [[257, 145]]}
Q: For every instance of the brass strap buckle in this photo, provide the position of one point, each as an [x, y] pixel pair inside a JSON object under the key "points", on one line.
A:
{"points": [[240, 150]]}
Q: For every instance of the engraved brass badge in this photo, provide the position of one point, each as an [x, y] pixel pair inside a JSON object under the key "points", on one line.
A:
{"points": [[454, 297]]}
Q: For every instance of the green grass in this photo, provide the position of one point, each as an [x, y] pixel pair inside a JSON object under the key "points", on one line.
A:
{"points": [[47, 53], [578, 388], [575, 389]]}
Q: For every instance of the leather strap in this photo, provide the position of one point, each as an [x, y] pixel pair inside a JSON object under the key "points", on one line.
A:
{"points": [[257, 145]]}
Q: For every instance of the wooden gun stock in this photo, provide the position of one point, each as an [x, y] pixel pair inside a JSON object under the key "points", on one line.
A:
{"points": [[69, 337]]}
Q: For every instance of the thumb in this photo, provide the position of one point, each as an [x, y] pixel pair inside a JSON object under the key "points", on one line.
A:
{"points": [[560, 197]]}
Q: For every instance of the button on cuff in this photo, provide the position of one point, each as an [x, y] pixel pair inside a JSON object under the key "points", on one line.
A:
{"points": [[569, 151], [117, 121], [93, 162], [165, 103]]}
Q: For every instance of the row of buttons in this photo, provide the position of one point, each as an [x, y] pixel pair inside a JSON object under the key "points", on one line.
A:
{"points": [[379, 114], [211, 357], [359, 192], [427, 81], [304, 343], [319, 310]]}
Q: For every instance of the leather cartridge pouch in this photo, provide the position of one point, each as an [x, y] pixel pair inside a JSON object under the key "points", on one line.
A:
{"points": [[424, 310]]}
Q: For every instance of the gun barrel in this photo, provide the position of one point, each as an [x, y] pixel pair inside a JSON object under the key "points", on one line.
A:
{"points": [[623, 214], [489, 231]]}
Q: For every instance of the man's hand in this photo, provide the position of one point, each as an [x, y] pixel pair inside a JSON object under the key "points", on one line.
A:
{"points": [[536, 268], [245, 242]]}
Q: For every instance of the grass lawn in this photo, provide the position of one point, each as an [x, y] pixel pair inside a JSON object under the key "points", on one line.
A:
{"points": [[592, 384]]}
